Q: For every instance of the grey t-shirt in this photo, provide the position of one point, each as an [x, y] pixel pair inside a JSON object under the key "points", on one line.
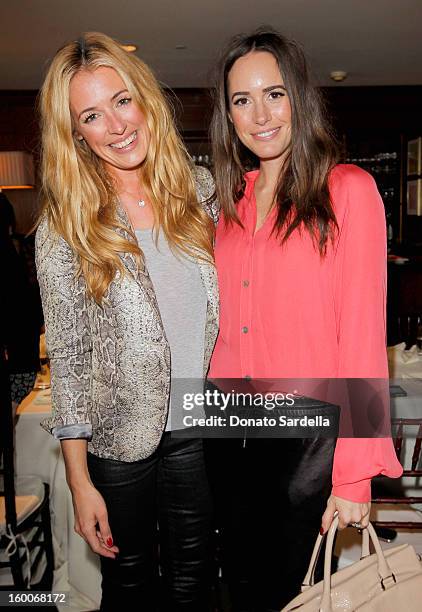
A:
{"points": [[182, 301]]}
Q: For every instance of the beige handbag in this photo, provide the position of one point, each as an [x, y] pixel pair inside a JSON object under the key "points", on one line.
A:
{"points": [[386, 581]]}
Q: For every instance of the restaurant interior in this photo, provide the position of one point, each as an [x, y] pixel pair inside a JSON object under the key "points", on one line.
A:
{"points": [[367, 60]]}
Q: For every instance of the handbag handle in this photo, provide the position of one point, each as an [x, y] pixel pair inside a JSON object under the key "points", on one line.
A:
{"points": [[309, 579], [384, 570]]}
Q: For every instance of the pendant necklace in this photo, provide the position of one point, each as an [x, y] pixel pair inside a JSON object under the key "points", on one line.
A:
{"points": [[140, 202]]}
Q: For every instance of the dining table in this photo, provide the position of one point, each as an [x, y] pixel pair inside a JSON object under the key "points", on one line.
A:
{"points": [[405, 367], [76, 567]]}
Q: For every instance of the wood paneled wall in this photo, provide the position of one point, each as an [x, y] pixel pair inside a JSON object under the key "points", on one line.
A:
{"points": [[374, 109], [18, 124], [382, 113]]}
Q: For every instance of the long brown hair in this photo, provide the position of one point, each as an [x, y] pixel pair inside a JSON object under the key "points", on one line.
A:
{"points": [[79, 197], [302, 194]]}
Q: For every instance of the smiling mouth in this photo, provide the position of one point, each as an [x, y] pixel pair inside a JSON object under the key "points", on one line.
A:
{"points": [[124, 143], [266, 134]]}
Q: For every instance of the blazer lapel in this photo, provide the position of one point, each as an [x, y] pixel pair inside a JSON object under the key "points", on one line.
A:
{"points": [[210, 281], [139, 272]]}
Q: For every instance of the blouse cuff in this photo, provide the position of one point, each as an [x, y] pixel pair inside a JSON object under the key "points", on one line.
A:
{"points": [[359, 492], [71, 432]]}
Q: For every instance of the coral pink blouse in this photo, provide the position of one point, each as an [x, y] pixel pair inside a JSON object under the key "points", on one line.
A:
{"points": [[288, 313]]}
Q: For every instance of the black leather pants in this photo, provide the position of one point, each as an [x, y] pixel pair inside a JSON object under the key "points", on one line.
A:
{"points": [[270, 495], [169, 488]]}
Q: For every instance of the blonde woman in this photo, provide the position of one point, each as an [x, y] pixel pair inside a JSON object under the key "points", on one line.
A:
{"points": [[124, 258]]}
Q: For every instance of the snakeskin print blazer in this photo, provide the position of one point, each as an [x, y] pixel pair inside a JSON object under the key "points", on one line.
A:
{"points": [[110, 364]]}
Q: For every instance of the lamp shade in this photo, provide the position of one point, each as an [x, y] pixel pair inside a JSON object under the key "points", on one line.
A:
{"points": [[16, 170]]}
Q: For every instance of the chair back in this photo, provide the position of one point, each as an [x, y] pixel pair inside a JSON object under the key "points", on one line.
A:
{"points": [[7, 468], [404, 328], [25, 534], [413, 470]]}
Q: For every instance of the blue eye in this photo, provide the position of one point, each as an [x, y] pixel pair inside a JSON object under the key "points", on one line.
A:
{"points": [[90, 118], [124, 101]]}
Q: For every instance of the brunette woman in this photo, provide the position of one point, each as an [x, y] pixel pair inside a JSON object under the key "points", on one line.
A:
{"points": [[301, 260]]}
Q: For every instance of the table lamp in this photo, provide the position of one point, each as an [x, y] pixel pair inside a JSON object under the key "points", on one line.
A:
{"points": [[16, 170]]}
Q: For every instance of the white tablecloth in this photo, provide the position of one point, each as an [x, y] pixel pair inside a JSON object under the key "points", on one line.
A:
{"points": [[38, 453], [409, 407], [404, 363], [348, 546]]}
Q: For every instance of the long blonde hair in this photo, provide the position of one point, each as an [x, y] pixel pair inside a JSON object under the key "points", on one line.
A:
{"points": [[78, 196]]}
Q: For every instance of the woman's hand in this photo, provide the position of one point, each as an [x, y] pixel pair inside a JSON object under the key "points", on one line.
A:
{"points": [[348, 512], [91, 520]]}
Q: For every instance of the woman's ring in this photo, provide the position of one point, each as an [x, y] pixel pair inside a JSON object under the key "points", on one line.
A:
{"points": [[357, 525]]}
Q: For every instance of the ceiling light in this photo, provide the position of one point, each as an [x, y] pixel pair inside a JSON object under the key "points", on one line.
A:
{"points": [[338, 75], [129, 48]]}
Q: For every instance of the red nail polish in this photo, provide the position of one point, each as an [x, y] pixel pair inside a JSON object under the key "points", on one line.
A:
{"points": [[109, 541], [321, 530]]}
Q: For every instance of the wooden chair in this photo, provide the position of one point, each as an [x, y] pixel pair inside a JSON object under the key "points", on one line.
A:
{"points": [[413, 472], [25, 529], [404, 328]]}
